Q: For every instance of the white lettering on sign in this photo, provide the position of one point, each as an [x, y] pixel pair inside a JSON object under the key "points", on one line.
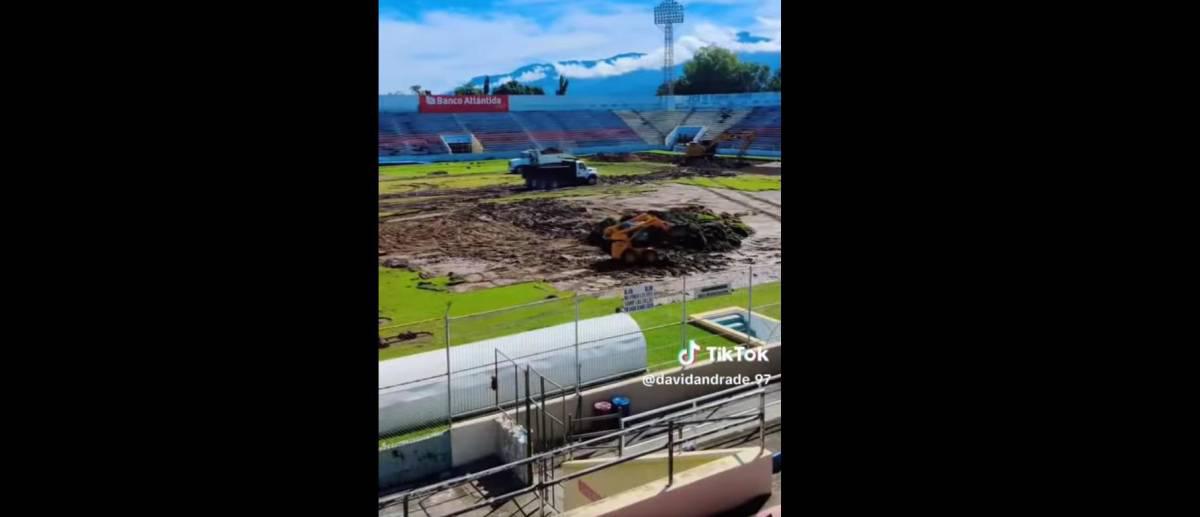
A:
{"points": [[458, 101], [639, 297]]}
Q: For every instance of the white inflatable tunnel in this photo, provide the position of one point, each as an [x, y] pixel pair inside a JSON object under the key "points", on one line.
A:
{"points": [[609, 345]]}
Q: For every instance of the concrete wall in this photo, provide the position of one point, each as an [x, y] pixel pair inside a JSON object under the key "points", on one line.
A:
{"points": [[414, 461], [642, 398], [708, 489], [626, 476], [476, 439], [408, 103], [470, 443]]}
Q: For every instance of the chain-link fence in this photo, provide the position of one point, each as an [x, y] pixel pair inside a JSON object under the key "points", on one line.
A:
{"points": [[412, 382], [463, 365]]}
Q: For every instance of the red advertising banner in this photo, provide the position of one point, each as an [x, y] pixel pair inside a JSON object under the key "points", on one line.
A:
{"points": [[463, 103]]}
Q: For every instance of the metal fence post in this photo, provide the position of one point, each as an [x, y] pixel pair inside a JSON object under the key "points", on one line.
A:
{"points": [[578, 365], [670, 452], [762, 420], [528, 428], [578, 378], [683, 342], [749, 305], [449, 406]]}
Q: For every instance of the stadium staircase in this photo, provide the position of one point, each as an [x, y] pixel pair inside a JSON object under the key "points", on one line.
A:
{"points": [[643, 127]]}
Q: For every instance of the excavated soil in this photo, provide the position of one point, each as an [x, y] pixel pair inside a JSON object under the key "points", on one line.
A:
{"points": [[481, 243], [670, 174], [545, 238]]}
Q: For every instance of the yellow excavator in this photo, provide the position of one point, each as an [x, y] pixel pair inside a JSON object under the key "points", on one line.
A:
{"points": [[628, 240], [707, 149]]}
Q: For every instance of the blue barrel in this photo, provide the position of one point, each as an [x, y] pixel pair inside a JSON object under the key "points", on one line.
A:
{"points": [[621, 403]]}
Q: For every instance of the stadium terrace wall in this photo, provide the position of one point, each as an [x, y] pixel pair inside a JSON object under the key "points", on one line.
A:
{"points": [[408, 103]]}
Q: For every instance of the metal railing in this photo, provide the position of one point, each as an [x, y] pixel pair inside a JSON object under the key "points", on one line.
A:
{"points": [[545, 461], [465, 378]]}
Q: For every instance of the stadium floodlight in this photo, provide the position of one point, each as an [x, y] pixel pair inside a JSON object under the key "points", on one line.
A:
{"points": [[666, 14]]}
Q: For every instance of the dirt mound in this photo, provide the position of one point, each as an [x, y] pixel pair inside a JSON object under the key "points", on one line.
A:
{"points": [[657, 158], [615, 158], [670, 174], [693, 228], [547, 217], [695, 242], [536, 235]]}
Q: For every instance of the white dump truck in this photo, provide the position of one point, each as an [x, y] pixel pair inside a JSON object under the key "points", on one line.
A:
{"points": [[550, 170]]}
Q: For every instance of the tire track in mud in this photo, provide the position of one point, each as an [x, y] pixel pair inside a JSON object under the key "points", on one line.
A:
{"points": [[741, 199]]}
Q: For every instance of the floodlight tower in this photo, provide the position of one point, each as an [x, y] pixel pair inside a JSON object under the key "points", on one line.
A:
{"points": [[666, 14]]}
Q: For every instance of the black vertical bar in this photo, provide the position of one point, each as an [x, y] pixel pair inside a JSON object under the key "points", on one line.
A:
{"points": [[670, 453], [528, 428], [542, 413]]}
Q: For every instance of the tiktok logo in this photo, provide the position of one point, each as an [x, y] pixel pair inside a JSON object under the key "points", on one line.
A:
{"points": [[687, 357]]}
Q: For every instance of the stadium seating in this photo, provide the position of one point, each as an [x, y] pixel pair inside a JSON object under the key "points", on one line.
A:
{"points": [[414, 133], [765, 123], [403, 133], [496, 131], [577, 129]]}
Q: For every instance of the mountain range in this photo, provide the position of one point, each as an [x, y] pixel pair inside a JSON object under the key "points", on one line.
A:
{"points": [[635, 82]]}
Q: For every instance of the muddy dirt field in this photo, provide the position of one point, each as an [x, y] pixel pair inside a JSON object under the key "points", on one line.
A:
{"points": [[488, 243]]}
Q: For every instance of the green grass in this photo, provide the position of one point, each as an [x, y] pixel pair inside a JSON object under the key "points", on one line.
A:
{"points": [[748, 182], [452, 168], [627, 168], [405, 185], [404, 304], [400, 300], [392, 441]]}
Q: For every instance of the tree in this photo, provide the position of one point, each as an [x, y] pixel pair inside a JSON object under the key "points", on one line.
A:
{"points": [[468, 89], [487, 84], [777, 81], [562, 85], [416, 88], [514, 88], [717, 70]]}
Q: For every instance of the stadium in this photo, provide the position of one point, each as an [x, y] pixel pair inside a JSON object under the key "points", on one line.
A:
{"points": [[420, 128], [538, 255]]}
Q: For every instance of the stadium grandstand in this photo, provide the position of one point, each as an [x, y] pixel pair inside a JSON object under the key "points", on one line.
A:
{"points": [[446, 128]]}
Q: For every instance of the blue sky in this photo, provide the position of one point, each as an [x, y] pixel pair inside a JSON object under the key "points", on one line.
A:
{"points": [[441, 44]]}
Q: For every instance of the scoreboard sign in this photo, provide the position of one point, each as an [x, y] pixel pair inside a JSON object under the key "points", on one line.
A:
{"points": [[640, 297], [463, 103]]}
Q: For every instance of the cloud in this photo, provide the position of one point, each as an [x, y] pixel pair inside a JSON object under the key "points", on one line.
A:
{"points": [[535, 74], [440, 50]]}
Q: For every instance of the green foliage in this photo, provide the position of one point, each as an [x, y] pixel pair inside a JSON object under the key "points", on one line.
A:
{"points": [[777, 81], [515, 88], [717, 70], [468, 89]]}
